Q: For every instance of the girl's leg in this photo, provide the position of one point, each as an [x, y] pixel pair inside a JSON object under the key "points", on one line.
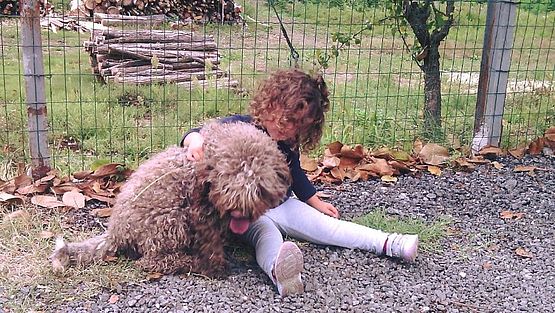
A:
{"points": [[282, 261], [299, 220], [266, 238]]}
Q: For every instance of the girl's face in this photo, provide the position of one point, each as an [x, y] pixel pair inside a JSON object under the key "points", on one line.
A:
{"points": [[280, 128]]}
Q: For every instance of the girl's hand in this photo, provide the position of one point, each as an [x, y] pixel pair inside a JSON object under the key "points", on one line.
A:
{"points": [[194, 142], [323, 206]]}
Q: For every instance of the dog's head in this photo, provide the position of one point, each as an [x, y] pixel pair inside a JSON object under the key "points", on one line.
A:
{"points": [[246, 173]]}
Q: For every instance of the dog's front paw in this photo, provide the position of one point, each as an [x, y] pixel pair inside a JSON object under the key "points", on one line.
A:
{"points": [[60, 258]]}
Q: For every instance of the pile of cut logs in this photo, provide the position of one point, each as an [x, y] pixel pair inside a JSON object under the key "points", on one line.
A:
{"points": [[185, 10], [11, 7], [156, 56]]}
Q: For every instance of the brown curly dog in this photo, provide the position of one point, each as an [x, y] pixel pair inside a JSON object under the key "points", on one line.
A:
{"points": [[174, 215]]}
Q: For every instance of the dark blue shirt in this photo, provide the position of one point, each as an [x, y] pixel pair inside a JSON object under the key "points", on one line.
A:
{"points": [[301, 186]]}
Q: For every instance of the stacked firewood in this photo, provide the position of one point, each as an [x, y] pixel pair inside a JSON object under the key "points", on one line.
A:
{"points": [[156, 56], [11, 7], [185, 10]]}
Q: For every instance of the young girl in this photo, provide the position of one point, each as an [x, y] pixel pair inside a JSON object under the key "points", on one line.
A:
{"points": [[290, 107]]}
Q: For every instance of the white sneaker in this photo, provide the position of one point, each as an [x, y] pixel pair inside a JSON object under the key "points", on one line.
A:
{"points": [[287, 269], [400, 246]]}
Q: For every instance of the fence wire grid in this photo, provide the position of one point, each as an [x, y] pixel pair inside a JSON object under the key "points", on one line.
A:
{"points": [[122, 94]]}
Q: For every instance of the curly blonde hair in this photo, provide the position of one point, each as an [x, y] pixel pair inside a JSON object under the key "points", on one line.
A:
{"points": [[303, 100]]}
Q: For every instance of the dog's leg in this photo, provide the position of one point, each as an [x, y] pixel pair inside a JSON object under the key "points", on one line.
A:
{"points": [[80, 253], [174, 263], [209, 244]]}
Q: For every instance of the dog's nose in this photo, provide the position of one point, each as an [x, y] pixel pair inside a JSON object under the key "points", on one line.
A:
{"points": [[237, 214]]}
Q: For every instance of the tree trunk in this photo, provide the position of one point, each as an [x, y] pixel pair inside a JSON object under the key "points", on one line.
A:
{"points": [[417, 14], [432, 88]]}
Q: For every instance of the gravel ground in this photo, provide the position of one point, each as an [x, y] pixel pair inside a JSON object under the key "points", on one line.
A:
{"points": [[476, 269]]}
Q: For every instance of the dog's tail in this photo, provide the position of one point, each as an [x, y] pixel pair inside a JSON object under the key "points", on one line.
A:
{"points": [[78, 253]]}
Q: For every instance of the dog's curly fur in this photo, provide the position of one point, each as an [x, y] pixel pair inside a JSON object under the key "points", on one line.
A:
{"points": [[173, 214]]}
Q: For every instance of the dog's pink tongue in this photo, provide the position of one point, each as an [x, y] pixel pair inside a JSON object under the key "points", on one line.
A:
{"points": [[239, 225]]}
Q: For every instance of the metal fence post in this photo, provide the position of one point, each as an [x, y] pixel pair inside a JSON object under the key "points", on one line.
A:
{"points": [[33, 69], [494, 73]]}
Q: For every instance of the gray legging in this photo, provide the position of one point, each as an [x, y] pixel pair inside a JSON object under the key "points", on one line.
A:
{"points": [[299, 220]]}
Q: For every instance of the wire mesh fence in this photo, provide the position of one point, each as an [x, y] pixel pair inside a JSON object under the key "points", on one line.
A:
{"points": [[119, 88]]}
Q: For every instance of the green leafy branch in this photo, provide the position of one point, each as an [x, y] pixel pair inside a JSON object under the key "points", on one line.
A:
{"points": [[341, 40]]}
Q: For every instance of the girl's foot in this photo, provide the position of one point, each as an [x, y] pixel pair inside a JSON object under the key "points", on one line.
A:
{"points": [[287, 269], [400, 246]]}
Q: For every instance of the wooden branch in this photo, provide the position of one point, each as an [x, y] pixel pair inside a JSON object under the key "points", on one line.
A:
{"points": [[167, 78]]}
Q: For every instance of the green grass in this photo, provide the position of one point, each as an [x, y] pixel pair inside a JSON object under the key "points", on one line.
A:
{"points": [[377, 91], [27, 280], [429, 233]]}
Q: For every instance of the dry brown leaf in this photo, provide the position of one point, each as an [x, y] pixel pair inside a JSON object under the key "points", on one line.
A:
{"points": [[113, 299], [74, 199], [82, 174], [63, 188], [518, 152], [331, 161], [154, 276], [497, 165], [45, 234], [356, 153], [108, 200], [487, 265], [550, 137], [490, 152], [352, 174], [348, 163], [11, 199], [46, 179], [57, 181], [434, 154], [308, 164], [400, 155], [417, 146], [17, 215], [399, 167], [389, 179], [34, 188], [329, 179], [383, 153], [335, 147], [493, 247], [312, 176], [338, 173], [96, 187], [511, 215], [478, 159], [380, 167], [536, 146], [110, 258], [108, 169], [435, 170], [524, 168], [523, 253], [365, 175], [104, 212], [46, 201], [463, 164], [22, 181]]}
